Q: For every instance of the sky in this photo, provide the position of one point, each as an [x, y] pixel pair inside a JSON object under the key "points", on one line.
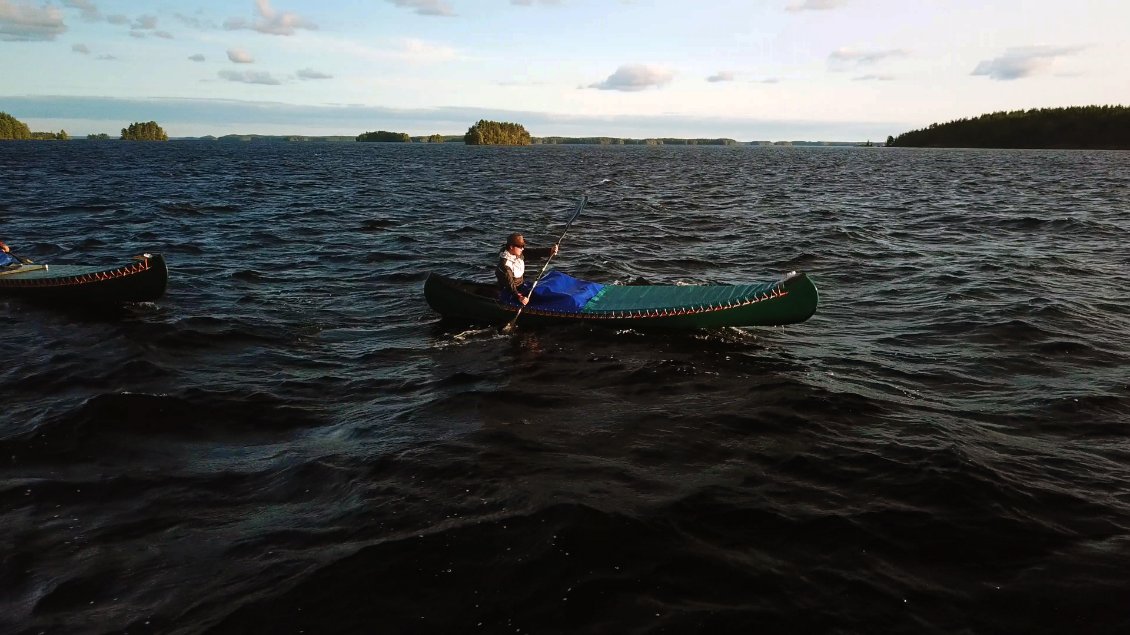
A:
{"points": [[817, 70]]}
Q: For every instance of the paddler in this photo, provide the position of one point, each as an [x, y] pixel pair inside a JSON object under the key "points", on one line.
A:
{"points": [[8, 259], [511, 267]]}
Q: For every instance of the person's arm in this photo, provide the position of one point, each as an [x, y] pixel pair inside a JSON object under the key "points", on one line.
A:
{"points": [[540, 252], [506, 278]]}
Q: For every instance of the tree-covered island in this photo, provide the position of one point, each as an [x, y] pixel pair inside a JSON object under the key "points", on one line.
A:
{"points": [[383, 136], [496, 133], [14, 129], [148, 131], [1078, 127]]}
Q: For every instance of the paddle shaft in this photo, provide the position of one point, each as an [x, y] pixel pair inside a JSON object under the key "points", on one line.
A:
{"points": [[580, 206]]}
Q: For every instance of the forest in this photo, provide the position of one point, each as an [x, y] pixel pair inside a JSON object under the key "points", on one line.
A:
{"points": [[384, 136], [12, 128], [496, 133], [148, 131], [1077, 127]]}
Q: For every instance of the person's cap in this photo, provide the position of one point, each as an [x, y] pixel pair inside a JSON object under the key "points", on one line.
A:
{"points": [[515, 240]]}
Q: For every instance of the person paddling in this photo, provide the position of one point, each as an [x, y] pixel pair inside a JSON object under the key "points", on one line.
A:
{"points": [[8, 259], [511, 269]]}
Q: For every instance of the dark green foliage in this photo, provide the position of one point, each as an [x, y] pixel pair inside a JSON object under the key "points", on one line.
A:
{"points": [[148, 131], [1079, 127], [496, 133], [436, 138], [102, 136], [51, 136], [12, 128], [384, 136]]}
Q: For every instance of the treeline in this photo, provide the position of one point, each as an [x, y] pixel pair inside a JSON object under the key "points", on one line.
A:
{"points": [[148, 131], [616, 141], [1078, 127], [384, 136], [497, 133], [12, 128]]}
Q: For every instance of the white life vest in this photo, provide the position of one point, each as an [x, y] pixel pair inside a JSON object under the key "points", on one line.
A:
{"points": [[516, 264]]}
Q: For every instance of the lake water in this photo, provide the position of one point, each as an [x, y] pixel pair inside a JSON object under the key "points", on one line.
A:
{"points": [[292, 441]]}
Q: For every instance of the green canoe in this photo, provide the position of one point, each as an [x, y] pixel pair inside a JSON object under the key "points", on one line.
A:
{"points": [[789, 300]]}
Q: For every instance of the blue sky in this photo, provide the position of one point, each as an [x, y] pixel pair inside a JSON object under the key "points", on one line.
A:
{"points": [[835, 70]]}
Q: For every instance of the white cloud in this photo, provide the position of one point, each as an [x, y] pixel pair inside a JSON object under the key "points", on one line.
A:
{"points": [[1018, 63], [81, 48], [240, 56], [530, 3], [90, 13], [250, 77], [163, 34], [846, 59], [721, 76], [309, 73], [874, 78], [28, 23], [635, 77], [426, 7], [117, 18], [815, 5], [270, 21], [196, 58]]}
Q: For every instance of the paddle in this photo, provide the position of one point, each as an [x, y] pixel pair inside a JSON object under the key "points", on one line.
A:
{"points": [[580, 206]]}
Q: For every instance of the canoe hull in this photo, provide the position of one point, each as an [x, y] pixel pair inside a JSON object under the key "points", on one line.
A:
{"points": [[142, 280], [788, 301]]}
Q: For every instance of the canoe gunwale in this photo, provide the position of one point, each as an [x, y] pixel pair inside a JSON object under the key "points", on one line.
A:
{"points": [[479, 301], [144, 279]]}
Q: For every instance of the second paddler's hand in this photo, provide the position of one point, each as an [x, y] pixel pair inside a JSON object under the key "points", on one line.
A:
{"points": [[554, 249], [523, 299]]}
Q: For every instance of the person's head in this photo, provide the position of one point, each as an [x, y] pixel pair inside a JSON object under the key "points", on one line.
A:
{"points": [[515, 243], [3, 247]]}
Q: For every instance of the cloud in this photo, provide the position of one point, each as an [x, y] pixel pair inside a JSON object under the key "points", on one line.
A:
{"points": [[81, 48], [721, 76], [309, 73], [1024, 62], [144, 23], [250, 77], [117, 18], [195, 22], [196, 58], [163, 34], [240, 56], [848, 59], [426, 7], [874, 78], [530, 3], [106, 57], [815, 5], [768, 80], [27, 23], [270, 21], [635, 77], [90, 13]]}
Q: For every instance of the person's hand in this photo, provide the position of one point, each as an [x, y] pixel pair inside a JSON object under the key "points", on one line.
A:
{"points": [[553, 249], [3, 247], [523, 299]]}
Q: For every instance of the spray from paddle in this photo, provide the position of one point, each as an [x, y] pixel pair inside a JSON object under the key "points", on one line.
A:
{"points": [[509, 328]]}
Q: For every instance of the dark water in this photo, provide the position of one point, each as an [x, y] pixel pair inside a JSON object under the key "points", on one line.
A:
{"points": [[291, 441]]}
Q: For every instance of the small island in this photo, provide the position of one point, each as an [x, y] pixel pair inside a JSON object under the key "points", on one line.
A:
{"points": [[496, 133], [383, 136], [1075, 128], [148, 131], [14, 129]]}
